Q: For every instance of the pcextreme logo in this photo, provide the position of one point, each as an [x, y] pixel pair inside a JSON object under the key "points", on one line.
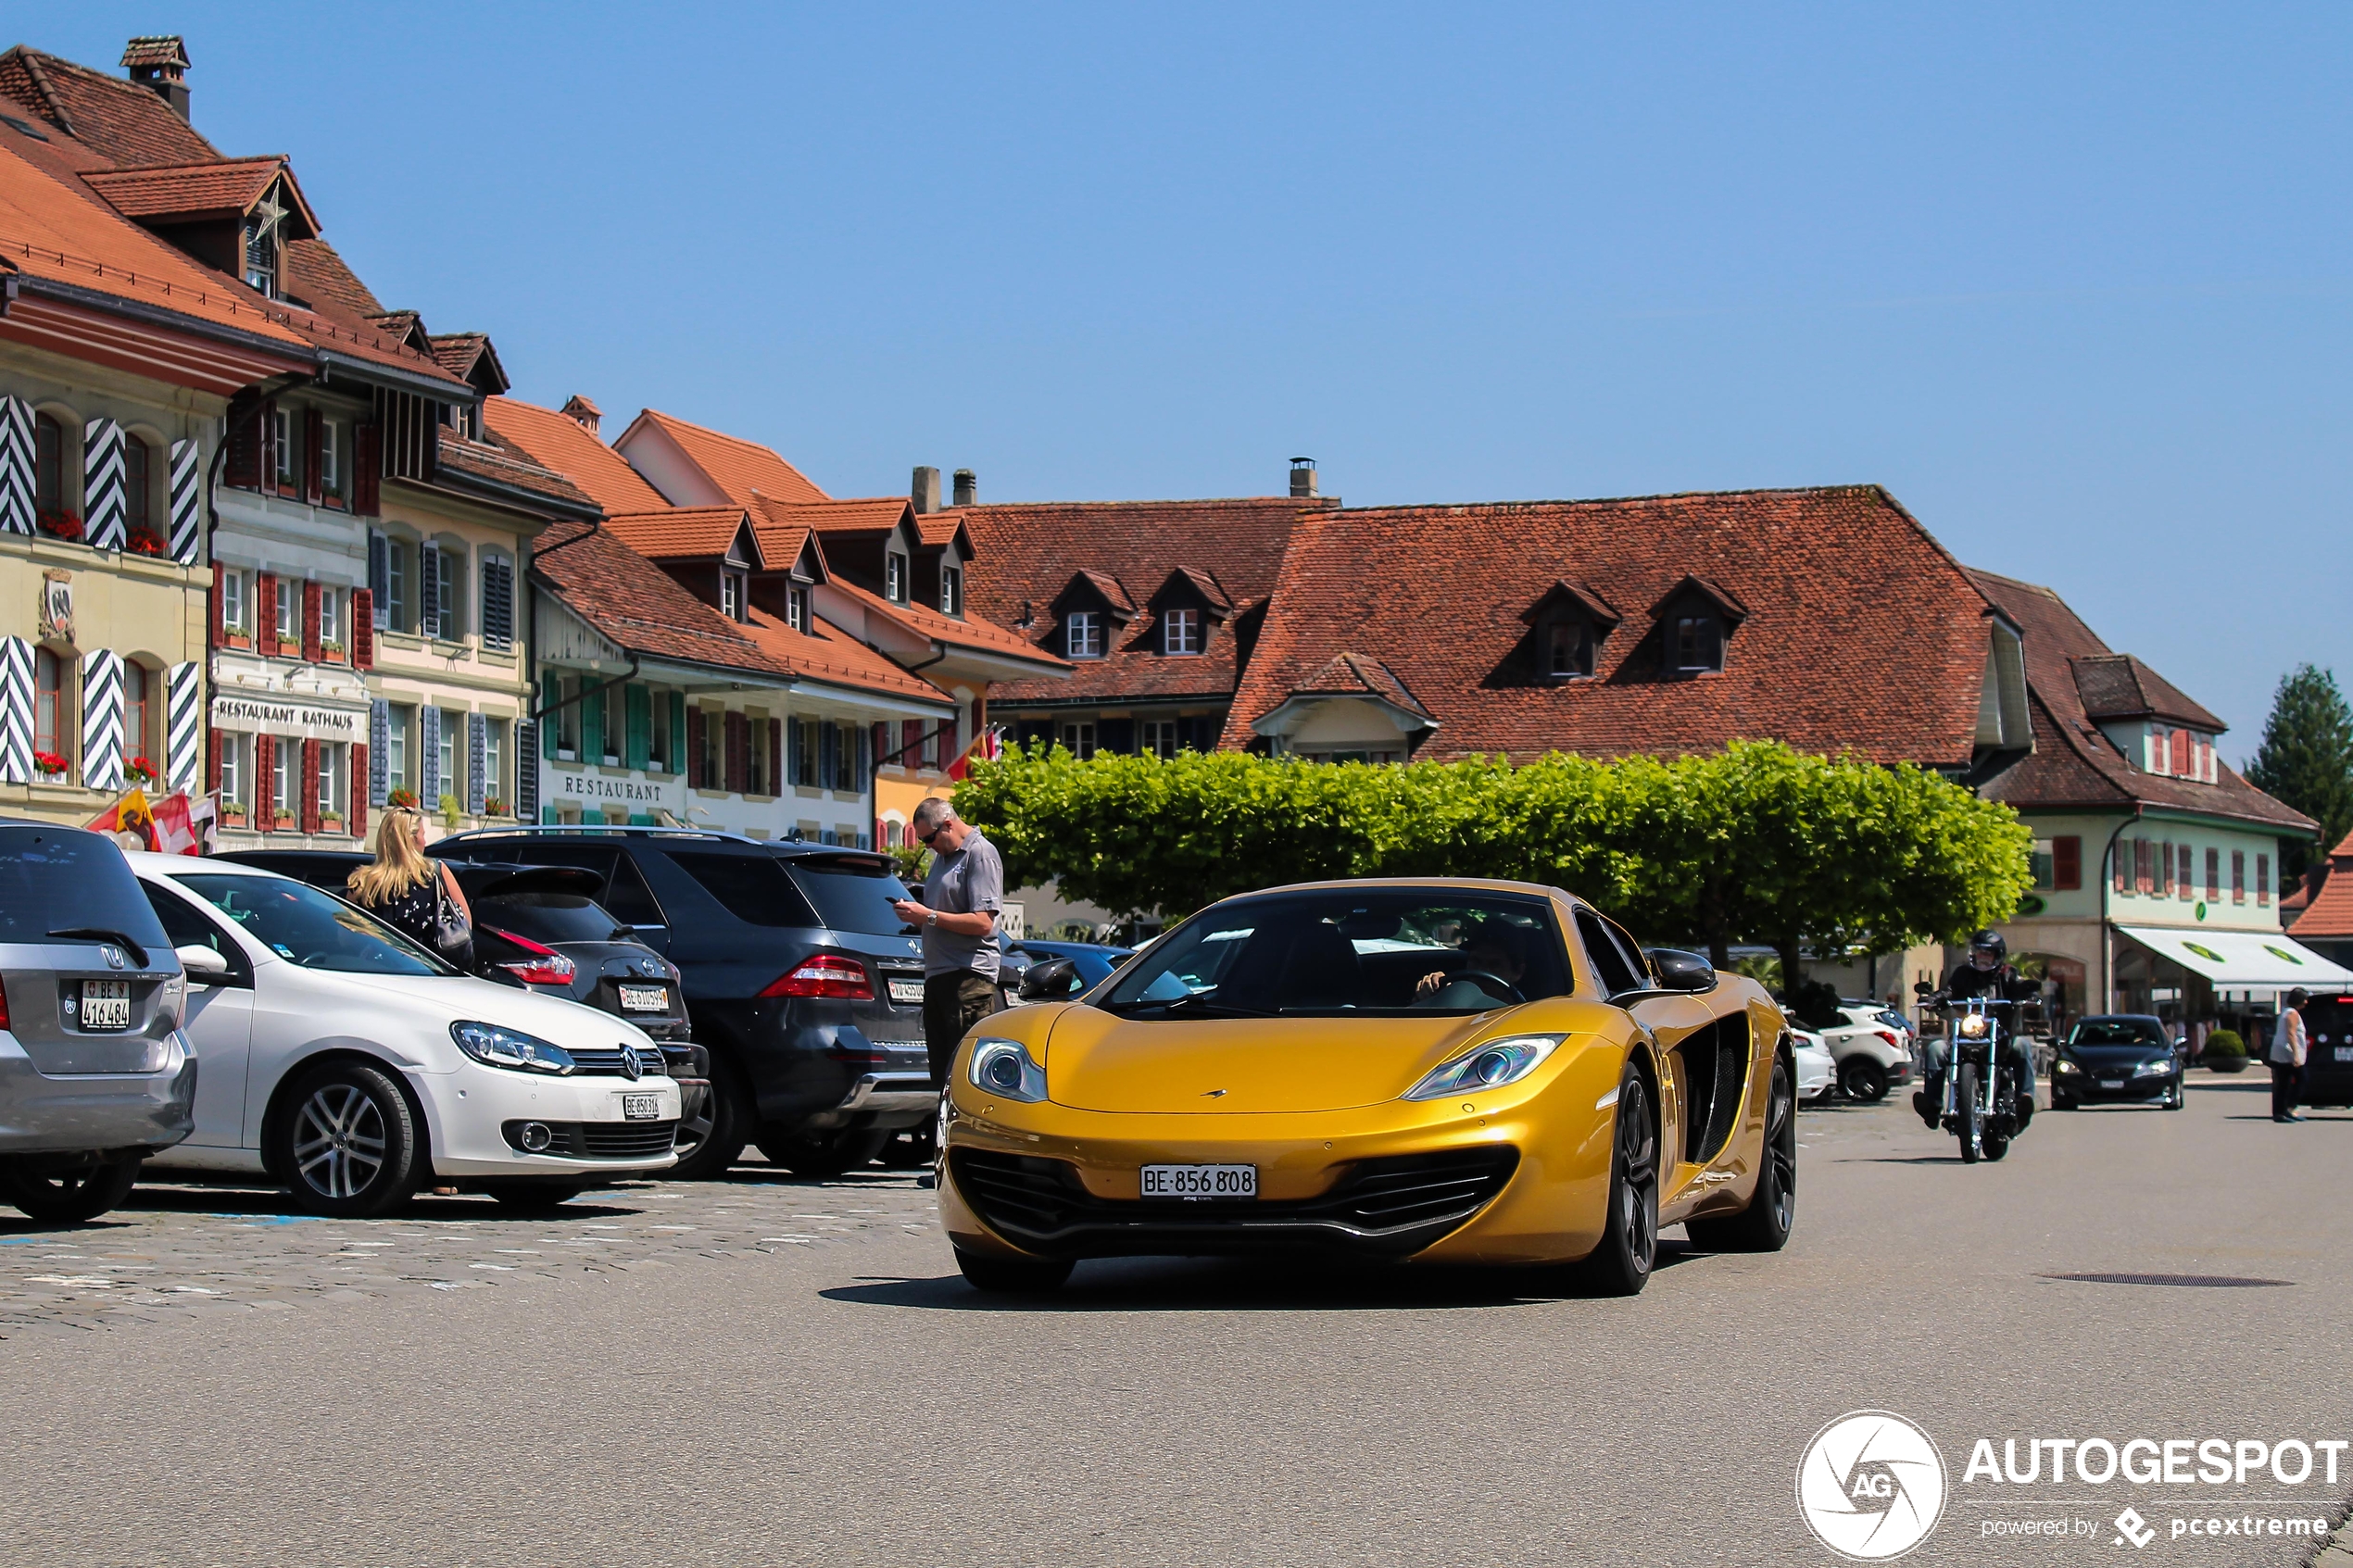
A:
{"points": [[1871, 1486]]}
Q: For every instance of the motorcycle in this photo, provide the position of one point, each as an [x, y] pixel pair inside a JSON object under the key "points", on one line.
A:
{"points": [[1981, 1088]]}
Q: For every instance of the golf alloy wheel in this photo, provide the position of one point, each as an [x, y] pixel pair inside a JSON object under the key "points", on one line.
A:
{"points": [[338, 1142], [347, 1142]]}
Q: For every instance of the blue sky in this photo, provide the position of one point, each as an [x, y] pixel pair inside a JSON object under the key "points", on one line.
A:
{"points": [[2072, 283]]}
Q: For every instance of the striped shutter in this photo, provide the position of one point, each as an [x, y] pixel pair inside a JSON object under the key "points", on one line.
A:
{"points": [[16, 710], [105, 492], [477, 751], [15, 466], [184, 726], [430, 783], [379, 749], [428, 591], [188, 492], [102, 720], [498, 603], [526, 773]]}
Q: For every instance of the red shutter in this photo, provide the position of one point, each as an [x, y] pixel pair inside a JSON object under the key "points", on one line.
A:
{"points": [[363, 629], [212, 761], [910, 742], [311, 644], [948, 752], [356, 814], [314, 441], [695, 779], [266, 442], [265, 804], [215, 601], [243, 468], [738, 753], [367, 469], [2067, 863], [777, 756], [308, 815], [265, 613]]}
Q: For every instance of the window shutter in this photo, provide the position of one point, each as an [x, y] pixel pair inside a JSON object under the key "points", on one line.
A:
{"points": [[947, 749], [776, 756], [367, 470], [866, 759], [639, 711], [379, 747], [363, 629], [314, 442], [379, 568], [356, 819], [738, 752], [793, 764], [310, 818], [213, 741], [242, 469], [15, 466], [16, 710], [215, 604], [2067, 863], [265, 613], [429, 590], [695, 779], [182, 725], [102, 720], [105, 499], [477, 762], [310, 639], [1116, 735], [547, 722], [498, 603], [526, 776], [265, 801], [429, 780], [266, 446], [592, 727]]}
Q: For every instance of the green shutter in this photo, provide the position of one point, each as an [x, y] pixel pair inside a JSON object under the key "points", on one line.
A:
{"points": [[679, 761], [641, 726], [547, 726], [592, 728]]}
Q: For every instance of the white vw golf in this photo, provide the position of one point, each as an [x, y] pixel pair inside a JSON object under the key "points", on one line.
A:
{"points": [[344, 1060]]}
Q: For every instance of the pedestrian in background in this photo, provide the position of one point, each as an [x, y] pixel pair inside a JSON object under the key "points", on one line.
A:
{"points": [[964, 893], [2289, 1044]]}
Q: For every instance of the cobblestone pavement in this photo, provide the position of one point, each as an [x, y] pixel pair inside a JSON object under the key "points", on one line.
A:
{"points": [[178, 1249]]}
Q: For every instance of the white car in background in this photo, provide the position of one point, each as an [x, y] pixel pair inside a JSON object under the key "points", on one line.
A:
{"points": [[1874, 1046], [1817, 1067], [341, 1059]]}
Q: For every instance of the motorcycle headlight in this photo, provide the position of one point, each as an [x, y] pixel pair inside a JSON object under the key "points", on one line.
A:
{"points": [[1972, 1027], [1489, 1065], [2157, 1069], [494, 1047], [1003, 1067]]}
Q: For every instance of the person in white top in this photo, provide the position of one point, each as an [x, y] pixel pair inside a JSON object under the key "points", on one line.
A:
{"points": [[2289, 1044]]}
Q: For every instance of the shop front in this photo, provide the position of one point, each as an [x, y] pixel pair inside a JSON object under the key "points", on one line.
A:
{"points": [[2201, 980]]}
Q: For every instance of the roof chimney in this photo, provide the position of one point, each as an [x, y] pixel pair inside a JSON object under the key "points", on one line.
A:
{"points": [[582, 412], [967, 488], [1302, 478], [160, 62], [926, 494]]}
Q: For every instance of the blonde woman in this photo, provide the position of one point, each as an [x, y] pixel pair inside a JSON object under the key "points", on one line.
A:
{"points": [[415, 896]]}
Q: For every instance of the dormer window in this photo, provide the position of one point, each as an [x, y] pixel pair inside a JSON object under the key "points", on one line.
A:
{"points": [[261, 257], [731, 594], [1567, 626], [1083, 634], [1180, 631], [1568, 650], [1698, 642], [797, 608], [895, 578], [951, 590]]}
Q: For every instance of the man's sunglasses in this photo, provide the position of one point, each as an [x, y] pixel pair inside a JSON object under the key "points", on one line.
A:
{"points": [[925, 839]]}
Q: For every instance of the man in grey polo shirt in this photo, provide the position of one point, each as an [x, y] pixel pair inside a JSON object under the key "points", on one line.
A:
{"points": [[961, 896]]}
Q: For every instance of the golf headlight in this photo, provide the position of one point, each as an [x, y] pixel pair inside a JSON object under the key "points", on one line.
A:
{"points": [[1490, 1066], [493, 1046], [2064, 1065], [2158, 1069], [1971, 1027], [1003, 1067]]}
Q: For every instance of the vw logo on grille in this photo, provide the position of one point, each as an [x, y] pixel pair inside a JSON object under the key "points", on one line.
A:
{"points": [[631, 1068]]}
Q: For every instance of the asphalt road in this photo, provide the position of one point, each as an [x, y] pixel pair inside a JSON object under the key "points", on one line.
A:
{"points": [[772, 1372]]}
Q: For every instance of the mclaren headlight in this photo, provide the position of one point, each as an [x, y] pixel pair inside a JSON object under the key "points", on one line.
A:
{"points": [[1489, 1065], [496, 1046], [1003, 1067]]}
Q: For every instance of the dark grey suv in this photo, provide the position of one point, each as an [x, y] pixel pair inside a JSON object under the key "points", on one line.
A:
{"points": [[802, 983], [95, 1075]]}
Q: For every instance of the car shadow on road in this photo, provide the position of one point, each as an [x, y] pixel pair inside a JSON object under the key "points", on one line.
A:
{"points": [[1194, 1285], [268, 1206]]}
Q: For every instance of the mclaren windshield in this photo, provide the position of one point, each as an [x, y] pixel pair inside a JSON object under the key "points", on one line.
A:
{"points": [[1363, 952]]}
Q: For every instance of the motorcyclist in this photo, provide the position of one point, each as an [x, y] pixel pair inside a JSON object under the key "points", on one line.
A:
{"points": [[1986, 972]]}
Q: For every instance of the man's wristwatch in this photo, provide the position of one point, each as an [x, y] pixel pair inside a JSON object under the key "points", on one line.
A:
{"points": [[931, 917]]}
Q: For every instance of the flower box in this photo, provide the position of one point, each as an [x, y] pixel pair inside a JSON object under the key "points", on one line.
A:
{"points": [[331, 821], [61, 524], [281, 822], [289, 650], [49, 765], [231, 816], [237, 640], [141, 774], [404, 799], [145, 541]]}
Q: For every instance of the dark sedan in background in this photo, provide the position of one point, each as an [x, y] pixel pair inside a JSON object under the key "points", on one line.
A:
{"points": [[2119, 1059]]}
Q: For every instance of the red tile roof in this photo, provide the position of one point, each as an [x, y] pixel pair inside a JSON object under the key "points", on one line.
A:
{"points": [[981, 636], [220, 187], [680, 532], [1353, 674], [501, 462], [471, 357], [2075, 766], [740, 469], [641, 607], [2118, 685], [1024, 554], [558, 442], [2328, 911], [873, 514], [1437, 593], [833, 655], [128, 124], [316, 271]]}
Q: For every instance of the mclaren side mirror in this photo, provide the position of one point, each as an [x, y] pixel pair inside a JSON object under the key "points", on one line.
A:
{"points": [[1049, 979], [1680, 971]]}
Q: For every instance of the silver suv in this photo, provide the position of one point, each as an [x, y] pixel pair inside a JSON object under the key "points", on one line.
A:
{"points": [[95, 1075]]}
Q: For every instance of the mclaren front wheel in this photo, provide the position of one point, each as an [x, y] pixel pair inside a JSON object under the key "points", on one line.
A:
{"points": [[1621, 1265]]}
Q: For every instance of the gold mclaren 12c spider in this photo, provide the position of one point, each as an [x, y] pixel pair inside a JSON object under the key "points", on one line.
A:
{"points": [[1443, 1070]]}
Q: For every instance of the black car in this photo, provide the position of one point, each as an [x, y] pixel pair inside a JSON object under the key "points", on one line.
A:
{"points": [[2116, 1057], [541, 927], [801, 981], [2328, 1064]]}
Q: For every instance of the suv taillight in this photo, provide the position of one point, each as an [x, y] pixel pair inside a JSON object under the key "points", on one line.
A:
{"points": [[1890, 1036], [544, 967], [4, 1005], [827, 974]]}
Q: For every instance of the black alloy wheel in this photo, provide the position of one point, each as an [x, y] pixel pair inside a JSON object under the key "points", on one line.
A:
{"points": [[820, 1157], [1621, 1264], [1966, 1123], [344, 1139], [70, 1194], [1863, 1079], [725, 1127], [1012, 1276], [1765, 1224], [694, 1129]]}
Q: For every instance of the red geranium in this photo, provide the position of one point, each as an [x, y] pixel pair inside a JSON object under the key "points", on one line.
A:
{"points": [[139, 771], [61, 524], [49, 763], [145, 541]]}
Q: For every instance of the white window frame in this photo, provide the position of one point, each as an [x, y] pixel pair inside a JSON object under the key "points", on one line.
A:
{"points": [[289, 626], [285, 774], [449, 625], [330, 471], [395, 583], [494, 763], [951, 589], [1078, 737], [1173, 623], [281, 426], [797, 608], [1083, 634], [398, 720], [895, 577], [731, 594], [232, 767], [236, 601], [330, 620], [453, 757]]}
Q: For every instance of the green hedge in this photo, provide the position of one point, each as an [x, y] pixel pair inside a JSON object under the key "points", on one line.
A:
{"points": [[1756, 843]]}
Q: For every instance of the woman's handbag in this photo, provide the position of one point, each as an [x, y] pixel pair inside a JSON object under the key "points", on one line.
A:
{"points": [[453, 933]]}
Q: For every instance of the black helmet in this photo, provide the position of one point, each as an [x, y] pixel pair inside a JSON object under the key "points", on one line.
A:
{"points": [[1990, 941]]}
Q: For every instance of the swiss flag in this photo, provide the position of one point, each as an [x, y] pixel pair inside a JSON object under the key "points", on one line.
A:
{"points": [[986, 747]]}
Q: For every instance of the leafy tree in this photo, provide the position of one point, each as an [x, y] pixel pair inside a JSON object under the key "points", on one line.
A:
{"points": [[1757, 841], [2306, 760]]}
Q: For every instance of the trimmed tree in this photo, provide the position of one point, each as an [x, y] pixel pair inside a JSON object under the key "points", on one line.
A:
{"points": [[2306, 760]]}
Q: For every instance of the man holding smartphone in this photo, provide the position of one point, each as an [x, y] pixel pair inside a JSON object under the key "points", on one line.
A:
{"points": [[962, 893]]}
